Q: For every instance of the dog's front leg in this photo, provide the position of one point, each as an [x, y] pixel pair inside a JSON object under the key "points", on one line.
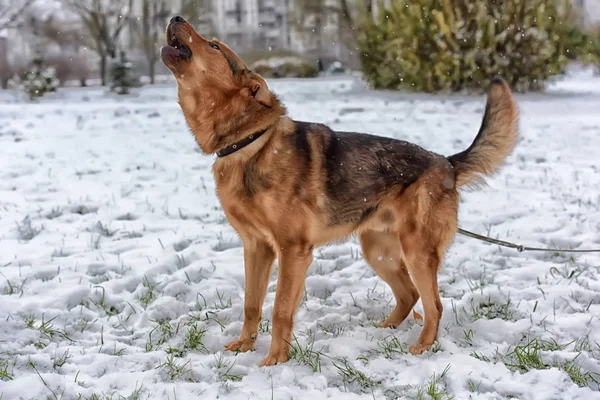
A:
{"points": [[294, 261], [258, 264]]}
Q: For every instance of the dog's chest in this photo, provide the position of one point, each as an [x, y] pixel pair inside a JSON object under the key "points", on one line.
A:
{"points": [[248, 214]]}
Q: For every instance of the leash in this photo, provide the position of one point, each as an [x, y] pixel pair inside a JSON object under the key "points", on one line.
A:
{"points": [[518, 247]]}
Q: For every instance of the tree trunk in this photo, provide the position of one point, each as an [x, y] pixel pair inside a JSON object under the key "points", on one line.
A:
{"points": [[103, 69], [151, 70]]}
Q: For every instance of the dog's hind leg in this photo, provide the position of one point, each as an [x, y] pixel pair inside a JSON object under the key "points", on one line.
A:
{"points": [[382, 251], [430, 226]]}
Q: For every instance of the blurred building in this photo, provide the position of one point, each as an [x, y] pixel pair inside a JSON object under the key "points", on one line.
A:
{"points": [[253, 24]]}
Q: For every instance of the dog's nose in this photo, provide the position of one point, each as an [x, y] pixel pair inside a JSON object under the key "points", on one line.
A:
{"points": [[177, 18]]}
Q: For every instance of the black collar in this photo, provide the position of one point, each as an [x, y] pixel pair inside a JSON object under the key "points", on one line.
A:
{"points": [[241, 144]]}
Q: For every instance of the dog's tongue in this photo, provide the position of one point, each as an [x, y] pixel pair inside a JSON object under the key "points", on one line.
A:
{"points": [[169, 52]]}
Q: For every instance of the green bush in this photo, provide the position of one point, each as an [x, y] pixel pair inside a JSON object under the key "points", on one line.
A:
{"points": [[37, 80], [436, 45], [591, 50], [122, 78]]}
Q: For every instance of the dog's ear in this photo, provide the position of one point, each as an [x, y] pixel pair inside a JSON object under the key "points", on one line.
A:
{"points": [[259, 89]]}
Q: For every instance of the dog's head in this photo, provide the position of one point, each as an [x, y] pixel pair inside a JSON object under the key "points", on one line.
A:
{"points": [[222, 100]]}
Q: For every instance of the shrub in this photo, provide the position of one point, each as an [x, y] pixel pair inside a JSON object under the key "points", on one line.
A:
{"points": [[435, 45], [122, 79], [36, 80], [285, 67], [591, 50]]}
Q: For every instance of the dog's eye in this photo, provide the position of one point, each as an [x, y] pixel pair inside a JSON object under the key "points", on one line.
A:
{"points": [[215, 46]]}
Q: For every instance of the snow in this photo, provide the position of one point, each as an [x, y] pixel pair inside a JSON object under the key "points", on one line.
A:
{"points": [[119, 274]]}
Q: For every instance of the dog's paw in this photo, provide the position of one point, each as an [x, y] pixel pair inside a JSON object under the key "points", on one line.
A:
{"points": [[274, 358], [417, 349], [388, 324], [242, 345]]}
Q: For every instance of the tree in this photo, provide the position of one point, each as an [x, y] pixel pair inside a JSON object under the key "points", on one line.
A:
{"points": [[37, 80], [104, 22], [198, 13], [11, 11], [150, 28], [122, 79], [65, 49], [312, 18]]}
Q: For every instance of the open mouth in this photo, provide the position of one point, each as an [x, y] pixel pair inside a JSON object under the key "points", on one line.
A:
{"points": [[176, 47]]}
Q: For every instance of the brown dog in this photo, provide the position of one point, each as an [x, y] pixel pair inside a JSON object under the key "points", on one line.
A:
{"points": [[288, 186]]}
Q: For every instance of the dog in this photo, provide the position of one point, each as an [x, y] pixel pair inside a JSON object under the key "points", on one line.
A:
{"points": [[289, 186]]}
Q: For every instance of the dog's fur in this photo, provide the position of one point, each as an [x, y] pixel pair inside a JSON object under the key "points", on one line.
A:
{"points": [[301, 185]]}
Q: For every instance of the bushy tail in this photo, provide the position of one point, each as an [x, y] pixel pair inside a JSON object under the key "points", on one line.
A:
{"points": [[494, 142]]}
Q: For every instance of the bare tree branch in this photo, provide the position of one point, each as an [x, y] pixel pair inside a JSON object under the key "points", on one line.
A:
{"points": [[11, 11], [312, 18], [148, 30], [104, 21]]}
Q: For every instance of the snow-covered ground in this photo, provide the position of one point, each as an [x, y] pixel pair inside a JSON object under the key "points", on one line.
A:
{"points": [[119, 275]]}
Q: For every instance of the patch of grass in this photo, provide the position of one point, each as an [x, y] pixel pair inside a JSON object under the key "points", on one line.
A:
{"points": [[132, 235], [103, 230], [214, 317], [577, 373], [224, 368], [305, 354], [181, 262], [101, 303], [83, 209], [26, 231], [193, 339], [81, 324], [54, 213], [222, 304], [528, 356], [29, 321], [525, 357], [149, 296], [469, 336], [568, 272], [55, 394], [48, 330], [225, 244], [5, 370], [12, 289], [353, 376], [173, 369], [490, 310], [162, 332], [580, 376], [98, 279], [59, 253], [135, 395], [435, 388], [479, 284], [94, 242], [473, 388], [264, 326], [584, 344], [333, 329], [59, 361], [390, 346]]}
